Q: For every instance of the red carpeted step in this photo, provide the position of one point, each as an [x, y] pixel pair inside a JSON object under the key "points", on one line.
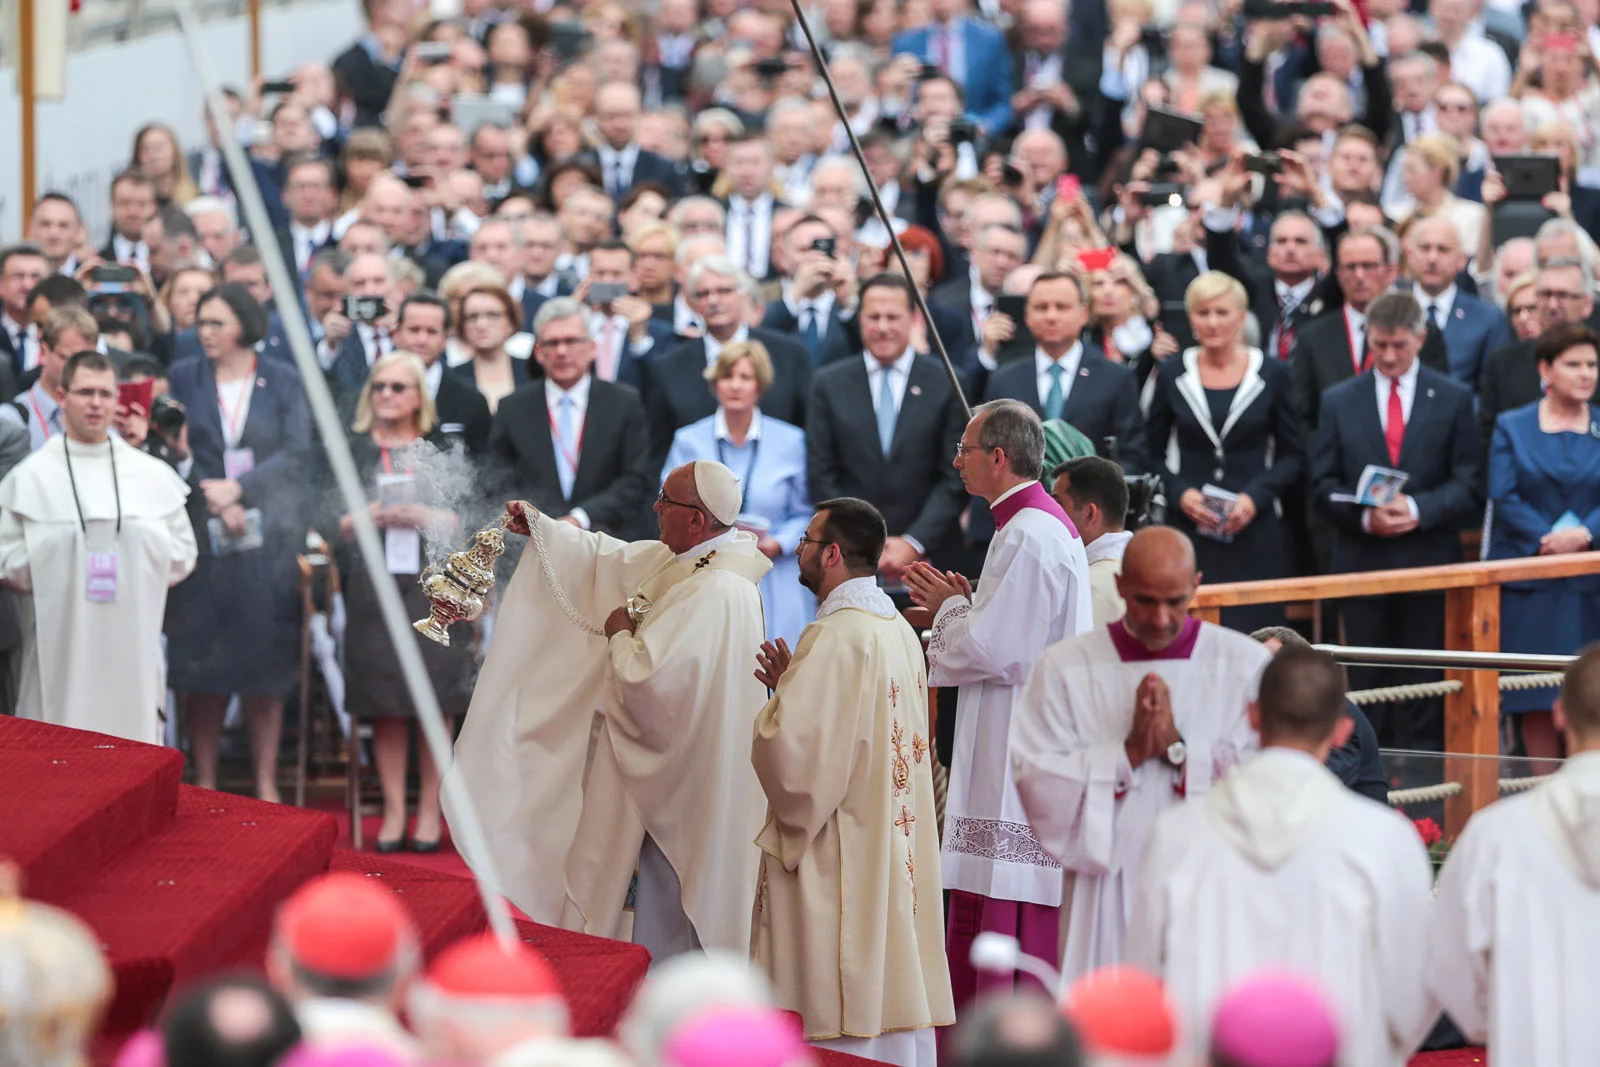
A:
{"points": [[827, 1057], [445, 907], [76, 799], [183, 902], [1456, 1057], [598, 974]]}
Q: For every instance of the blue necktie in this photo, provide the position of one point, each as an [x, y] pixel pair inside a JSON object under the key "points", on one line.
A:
{"points": [[885, 411], [565, 452], [813, 333], [1054, 400]]}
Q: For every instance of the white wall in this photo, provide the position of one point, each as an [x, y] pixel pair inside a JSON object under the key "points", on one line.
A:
{"points": [[86, 138]]}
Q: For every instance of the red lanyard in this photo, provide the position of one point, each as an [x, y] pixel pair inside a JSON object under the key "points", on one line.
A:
{"points": [[44, 425], [234, 419], [555, 435]]}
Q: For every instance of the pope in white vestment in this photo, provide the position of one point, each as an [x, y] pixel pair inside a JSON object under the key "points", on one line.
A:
{"points": [[1514, 954], [1281, 868], [1073, 731], [848, 920], [94, 664], [662, 781], [1033, 591]]}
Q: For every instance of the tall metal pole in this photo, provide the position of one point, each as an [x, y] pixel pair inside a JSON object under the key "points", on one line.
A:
{"points": [[27, 77], [325, 416], [883, 212]]}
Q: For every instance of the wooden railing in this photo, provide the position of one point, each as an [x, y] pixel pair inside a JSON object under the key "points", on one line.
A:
{"points": [[1472, 623]]}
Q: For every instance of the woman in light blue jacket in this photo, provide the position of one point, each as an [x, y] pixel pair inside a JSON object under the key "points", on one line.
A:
{"points": [[768, 457]]}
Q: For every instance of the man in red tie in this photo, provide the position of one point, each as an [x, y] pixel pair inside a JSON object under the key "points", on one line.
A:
{"points": [[1406, 430]]}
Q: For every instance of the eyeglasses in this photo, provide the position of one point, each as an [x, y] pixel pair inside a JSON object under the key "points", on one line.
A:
{"points": [[962, 448], [707, 294], [552, 344], [392, 387], [1525, 309], [1556, 294], [812, 541], [662, 499]]}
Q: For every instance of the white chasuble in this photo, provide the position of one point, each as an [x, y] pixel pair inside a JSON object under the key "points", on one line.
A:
{"points": [[1090, 809], [849, 921], [94, 665], [1281, 868], [672, 757], [523, 748], [1514, 954], [1033, 591]]}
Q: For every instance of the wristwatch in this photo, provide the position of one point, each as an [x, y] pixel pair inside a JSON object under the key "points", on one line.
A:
{"points": [[1177, 753]]}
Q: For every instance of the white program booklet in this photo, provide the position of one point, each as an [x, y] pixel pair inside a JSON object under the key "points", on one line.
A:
{"points": [[1378, 486]]}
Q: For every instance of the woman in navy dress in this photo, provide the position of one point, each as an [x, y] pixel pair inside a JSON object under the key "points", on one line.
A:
{"points": [[234, 625], [769, 458], [1544, 485], [1222, 414]]}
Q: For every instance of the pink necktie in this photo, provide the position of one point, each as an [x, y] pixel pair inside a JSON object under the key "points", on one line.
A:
{"points": [[608, 350]]}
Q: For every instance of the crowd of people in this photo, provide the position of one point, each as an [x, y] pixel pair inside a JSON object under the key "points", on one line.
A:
{"points": [[1314, 290]]}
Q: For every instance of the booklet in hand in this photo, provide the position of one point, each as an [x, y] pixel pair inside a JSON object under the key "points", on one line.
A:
{"points": [[1378, 486], [1220, 502], [1568, 521]]}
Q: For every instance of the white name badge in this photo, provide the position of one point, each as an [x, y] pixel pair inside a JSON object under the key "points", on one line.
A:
{"points": [[100, 584], [237, 462]]}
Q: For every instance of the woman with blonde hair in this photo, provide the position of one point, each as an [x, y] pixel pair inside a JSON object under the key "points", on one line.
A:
{"points": [[1522, 306], [1222, 415], [397, 447], [769, 458], [1123, 312], [1428, 171], [157, 155]]}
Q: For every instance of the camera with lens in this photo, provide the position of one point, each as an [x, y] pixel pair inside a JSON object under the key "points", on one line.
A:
{"points": [[962, 132]]}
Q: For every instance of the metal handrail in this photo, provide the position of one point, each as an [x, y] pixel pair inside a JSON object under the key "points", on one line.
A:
{"points": [[1357, 655]]}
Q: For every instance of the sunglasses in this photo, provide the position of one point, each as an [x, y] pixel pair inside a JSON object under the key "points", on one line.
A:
{"points": [[392, 387]]}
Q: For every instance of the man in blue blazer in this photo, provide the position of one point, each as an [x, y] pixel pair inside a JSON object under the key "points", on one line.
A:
{"points": [[1403, 416], [626, 337], [974, 55], [1471, 328]]}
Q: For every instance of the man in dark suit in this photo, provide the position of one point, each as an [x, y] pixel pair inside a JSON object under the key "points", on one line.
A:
{"points": [[622, 163], [367, 71], [1471, 328], [1283, 296], [625, 335], [1071, 379], [750, 167], [349, 349], [970, 297], [571, 444], [309, 195], [813, 293], [1511, 375], [884, 428], [133, 203], [1058, 83], [21, 268], [678, 392], [1332, 348], [1414, 419], [422, 327]]}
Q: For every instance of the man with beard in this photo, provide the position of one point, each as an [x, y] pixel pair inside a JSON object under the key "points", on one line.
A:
{"points": [[842, 752]]}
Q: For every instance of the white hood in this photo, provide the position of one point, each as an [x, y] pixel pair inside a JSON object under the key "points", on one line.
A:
{"points": [[1571, 805], [1274, 805]]}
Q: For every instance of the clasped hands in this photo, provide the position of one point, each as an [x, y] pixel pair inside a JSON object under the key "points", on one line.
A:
{"points": [[1392, 519], [930, 587], [1154, 730], [223, 496]]}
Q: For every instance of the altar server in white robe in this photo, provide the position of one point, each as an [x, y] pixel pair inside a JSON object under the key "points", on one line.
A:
{"points": [[1033, 591], [848, 922], [1282, 868], [665, 785], [92, 534], [1119, 724], [1514, 955]]}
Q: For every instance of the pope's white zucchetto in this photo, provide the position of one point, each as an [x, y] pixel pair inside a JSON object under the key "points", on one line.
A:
{"points": [[718, 490]]}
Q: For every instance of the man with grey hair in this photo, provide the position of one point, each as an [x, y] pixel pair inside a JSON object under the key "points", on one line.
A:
{"points": [[1033, 591], [577, 447], [1424, 432], [1511, 375], [718, 292], [216, 222]]}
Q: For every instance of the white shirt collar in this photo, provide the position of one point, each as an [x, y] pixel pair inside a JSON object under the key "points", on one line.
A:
{"points": [[579, 393], [714, 346], [719, 426], [1013, 491], [703, 547], [1407, 382], [1298, 292], [860, 593], [741, 204], [1109, 545], [822, 302], [980, 295], [899, 366], [1068, 362], [1444, 301], [517, 286], [435, 375]]}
